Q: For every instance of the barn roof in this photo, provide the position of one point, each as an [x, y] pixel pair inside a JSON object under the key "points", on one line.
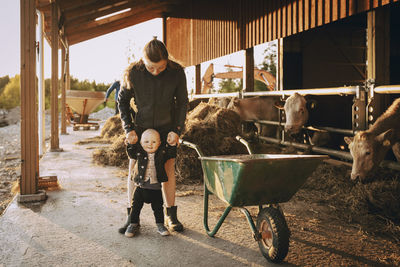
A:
{"points": [[81, 18], [200, 30]]}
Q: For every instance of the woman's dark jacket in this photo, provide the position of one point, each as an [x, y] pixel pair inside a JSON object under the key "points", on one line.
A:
{"points": [[161, 100], [163, 153]]}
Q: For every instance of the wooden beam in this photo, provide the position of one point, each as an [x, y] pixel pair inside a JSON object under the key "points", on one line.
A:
{"points": [[29, 129], [63, 94], [80, 36], [120, 17], [198, 79], [164, 29], [74, 4], [97, 13], [279, 69], [54, 144], [248, 77]]}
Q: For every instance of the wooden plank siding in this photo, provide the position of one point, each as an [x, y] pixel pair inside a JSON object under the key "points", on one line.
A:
{"points": [[231, 26]]}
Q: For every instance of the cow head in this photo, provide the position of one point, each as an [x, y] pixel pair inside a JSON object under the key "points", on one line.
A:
{"points": [[296, 113], [368, 151]]}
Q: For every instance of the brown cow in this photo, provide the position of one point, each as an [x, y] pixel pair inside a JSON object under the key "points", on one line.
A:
{"points": [[297, 113], [368, 148], [257, 108], [221, 102]]}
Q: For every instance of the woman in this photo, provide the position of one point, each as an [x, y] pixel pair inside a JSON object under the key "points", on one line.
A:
{"points": [[158, 86]]}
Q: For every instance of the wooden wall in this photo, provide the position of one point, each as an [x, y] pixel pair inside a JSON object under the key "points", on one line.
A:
{"points": [[211, 29]]}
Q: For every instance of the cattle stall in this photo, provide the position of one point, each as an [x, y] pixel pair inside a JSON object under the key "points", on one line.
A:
{"points": [[340, 66]]}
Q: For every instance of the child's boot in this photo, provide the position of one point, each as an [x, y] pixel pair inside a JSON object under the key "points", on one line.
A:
{"points": [[128, 221], [132, 230], [162, 230]]}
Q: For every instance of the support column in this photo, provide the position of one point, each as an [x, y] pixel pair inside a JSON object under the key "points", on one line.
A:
{"points": [[54, 144], [42, 91], [279, 69], [198, 79], [63, 81], [378, 61], [248, 70], [29, 130], [68, 76], [164, 29]]}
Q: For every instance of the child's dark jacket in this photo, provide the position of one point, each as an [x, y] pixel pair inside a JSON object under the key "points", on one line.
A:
{"points": [[163, 153]]}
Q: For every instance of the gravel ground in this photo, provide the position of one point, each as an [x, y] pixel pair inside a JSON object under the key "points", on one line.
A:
{"points": [[10, 147]]}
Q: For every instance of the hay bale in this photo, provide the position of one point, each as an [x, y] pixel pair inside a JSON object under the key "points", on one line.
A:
{"points": [[112, 128], [213, 129], [115, 154]]}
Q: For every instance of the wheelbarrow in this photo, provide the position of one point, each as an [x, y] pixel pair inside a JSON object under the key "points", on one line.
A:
{"points": [[84, 103], [256, 179]]}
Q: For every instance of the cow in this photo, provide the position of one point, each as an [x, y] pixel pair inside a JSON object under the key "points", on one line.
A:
{"points": [[297, 113], [257, 108], [369, 148], [307, 111], [221, 102]]}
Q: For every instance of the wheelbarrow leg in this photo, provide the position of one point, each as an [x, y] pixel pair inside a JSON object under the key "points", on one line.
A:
{"points": [[253, 227], [220, 221]]}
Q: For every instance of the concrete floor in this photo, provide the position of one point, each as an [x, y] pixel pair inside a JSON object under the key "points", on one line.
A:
{"points": [[77, 225]]}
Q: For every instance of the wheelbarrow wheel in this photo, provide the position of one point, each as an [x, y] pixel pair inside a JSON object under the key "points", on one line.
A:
{"points": [[274, 234]]}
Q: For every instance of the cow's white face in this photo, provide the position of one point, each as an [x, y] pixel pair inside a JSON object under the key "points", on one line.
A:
{"points": [[368, 151], [296, 113]]}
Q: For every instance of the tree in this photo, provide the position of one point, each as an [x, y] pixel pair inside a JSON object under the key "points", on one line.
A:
{"points": [[229, 86], [3, 82], [270, 55], [11, 96]]}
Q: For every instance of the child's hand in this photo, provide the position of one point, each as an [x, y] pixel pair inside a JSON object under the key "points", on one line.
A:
{"points": [[131, 138], [172, 139]]}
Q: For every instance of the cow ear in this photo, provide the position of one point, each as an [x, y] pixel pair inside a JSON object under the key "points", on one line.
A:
{"points": [[279, 104], [387, 138], [348, 140]]}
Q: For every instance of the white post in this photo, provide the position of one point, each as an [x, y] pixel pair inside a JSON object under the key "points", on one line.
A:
{"points": [[41, 88]]}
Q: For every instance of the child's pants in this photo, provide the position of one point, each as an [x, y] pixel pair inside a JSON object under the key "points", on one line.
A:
{"points": [[143, 195], [130, 184]]}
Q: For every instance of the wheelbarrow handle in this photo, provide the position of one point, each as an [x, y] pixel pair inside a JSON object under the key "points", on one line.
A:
{"points": [[191, 145], [244, 142]]}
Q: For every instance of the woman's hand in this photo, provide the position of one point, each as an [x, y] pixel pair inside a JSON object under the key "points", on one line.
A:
{"points": [[131, 137], [172, 139]]}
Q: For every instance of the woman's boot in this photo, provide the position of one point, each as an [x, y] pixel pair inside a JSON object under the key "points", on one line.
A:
{"points": [[171, 219], [128, 221]]}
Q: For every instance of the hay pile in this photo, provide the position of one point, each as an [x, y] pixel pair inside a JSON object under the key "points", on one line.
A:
{"points": [[374, 206], [114, 155], [213, 129]]}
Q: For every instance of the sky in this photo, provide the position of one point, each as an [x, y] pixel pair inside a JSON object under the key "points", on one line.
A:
{"points": [[101, 59]]}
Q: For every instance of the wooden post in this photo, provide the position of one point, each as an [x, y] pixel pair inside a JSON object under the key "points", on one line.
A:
{"points": [[42, 91], [164, 29], [68, 76], [198, 79], [29, 129], [248, 70], [378, 61], [63, 80], [54, 143], [279, 69]]}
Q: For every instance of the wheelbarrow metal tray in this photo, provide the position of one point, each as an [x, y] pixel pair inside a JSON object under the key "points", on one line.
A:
{"points": [[257, 179]]}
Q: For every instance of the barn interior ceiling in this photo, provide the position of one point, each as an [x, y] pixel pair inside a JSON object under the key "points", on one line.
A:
{"points": [[83, 20]]}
